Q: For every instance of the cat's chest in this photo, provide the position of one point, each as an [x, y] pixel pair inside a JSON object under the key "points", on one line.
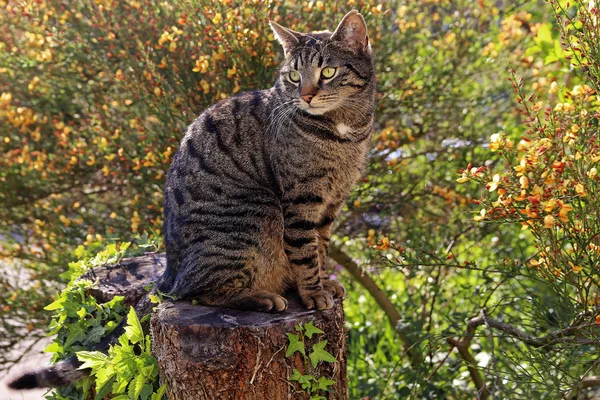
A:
{"points": [[325, 168]]}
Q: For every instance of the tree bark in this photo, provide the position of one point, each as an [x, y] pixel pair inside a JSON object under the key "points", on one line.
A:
{"points": [[218, 353]]}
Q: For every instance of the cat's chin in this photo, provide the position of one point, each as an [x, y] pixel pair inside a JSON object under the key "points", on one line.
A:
{"points": [[316, 110]]}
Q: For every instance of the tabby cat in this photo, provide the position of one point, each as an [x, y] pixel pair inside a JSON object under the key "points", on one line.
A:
{"points": [[253, 191], [257, 182]]}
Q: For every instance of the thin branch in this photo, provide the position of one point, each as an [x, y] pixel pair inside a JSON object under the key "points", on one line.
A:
{"points": [[463, 349], [561, 335], [380, 297]]}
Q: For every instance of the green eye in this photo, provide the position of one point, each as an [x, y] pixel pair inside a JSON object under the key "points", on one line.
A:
{"points": [[328, 72], [294, 76]]}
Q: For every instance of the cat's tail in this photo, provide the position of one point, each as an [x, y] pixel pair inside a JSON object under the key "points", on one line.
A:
{"points": [[67, 371], [60, 374]]}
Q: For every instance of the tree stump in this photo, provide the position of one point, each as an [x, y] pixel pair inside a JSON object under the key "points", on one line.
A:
{"points": [[219, 353]]}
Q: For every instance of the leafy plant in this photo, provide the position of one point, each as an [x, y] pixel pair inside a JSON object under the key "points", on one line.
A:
{"points": [[310, 384], [128, 371]]}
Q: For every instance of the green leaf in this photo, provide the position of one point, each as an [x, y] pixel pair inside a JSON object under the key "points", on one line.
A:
{"points": [[76, 333], [155, 299], [303, 380], [79, 251], [104, 389], [295, 345], [320, 354], [94, 336], [104, 378], [136, 386], [57, 304], [159, 393], [92, 359], [317, 398], [133, 330], [146, 392], [324, 383], [311, 330], [53, 348]]}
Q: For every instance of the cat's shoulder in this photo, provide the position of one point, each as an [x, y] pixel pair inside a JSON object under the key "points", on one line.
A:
{"points": [[245, 103]]}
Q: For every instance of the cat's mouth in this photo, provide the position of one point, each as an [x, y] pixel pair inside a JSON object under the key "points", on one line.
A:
{"points": [[313, 109]]}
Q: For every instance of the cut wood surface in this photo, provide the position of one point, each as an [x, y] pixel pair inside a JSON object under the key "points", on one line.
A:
{"points": [[219, 353], [128, 278]]}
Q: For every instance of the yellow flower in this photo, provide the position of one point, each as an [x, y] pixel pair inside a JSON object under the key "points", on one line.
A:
{"points": [[553, 87], [549, 205], [592, 172], [217, 18], [564, 209], [575, 268], [481, 215], [521, 167], [524, 181], [493, 185], [231, 72], [580, 190], [462, 179], [549, 221], [135, 222], [201, 65], [205, 86], [384, 243], [66, 221], [578, 91]]}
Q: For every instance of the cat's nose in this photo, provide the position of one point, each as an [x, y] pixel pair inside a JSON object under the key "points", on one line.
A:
{"points": [[307, 98]]}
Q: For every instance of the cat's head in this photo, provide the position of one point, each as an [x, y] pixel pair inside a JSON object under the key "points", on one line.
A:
{"points": [[325, 71]]}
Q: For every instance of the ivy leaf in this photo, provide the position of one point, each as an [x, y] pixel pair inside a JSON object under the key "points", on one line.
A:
{"points": [[54, 348], [94, 336], [133, 330], [57, 304], [303, 380], [320, 354], [324, 383], [311, 330], [76, 333], [295, 345], [92, 359]]}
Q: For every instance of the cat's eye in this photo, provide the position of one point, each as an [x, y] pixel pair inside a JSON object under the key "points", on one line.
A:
{"points": [[328, 72], [294, 76]]}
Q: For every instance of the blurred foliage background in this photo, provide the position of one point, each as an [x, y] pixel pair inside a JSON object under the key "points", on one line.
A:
{"points": [[470, 249]]}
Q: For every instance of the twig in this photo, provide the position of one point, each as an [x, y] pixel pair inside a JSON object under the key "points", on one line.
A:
{"points": [[380, 297], [463, 349]]}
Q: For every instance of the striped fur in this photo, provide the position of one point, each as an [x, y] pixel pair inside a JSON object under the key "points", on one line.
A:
{"points": [[257, 182], [259, 178]]}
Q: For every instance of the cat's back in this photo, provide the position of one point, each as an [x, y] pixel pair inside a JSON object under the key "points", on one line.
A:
{"points": [[222, 155]]}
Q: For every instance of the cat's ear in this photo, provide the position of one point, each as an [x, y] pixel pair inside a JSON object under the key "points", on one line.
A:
{"points": [[353, 31], [287, 37]]}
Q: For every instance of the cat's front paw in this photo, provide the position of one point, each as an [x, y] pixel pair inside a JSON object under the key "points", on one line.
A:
{"points": [[334, 287], [319, 299]]}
